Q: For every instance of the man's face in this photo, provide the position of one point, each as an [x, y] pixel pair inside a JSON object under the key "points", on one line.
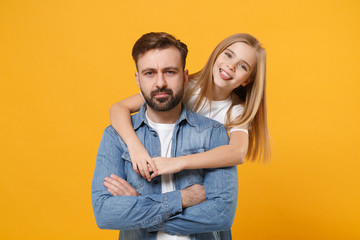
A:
{"points": [[161, 78]]}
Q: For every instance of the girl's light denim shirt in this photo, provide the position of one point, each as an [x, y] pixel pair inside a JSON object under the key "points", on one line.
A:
{"points": [[140, 217]]}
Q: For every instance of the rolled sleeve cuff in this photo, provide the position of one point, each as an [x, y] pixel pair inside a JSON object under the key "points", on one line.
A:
{"points": [[172, 204]]}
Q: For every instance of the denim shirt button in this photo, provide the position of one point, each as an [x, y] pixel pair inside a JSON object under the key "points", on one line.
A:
{"points": [[155, 135], [156, 181]]}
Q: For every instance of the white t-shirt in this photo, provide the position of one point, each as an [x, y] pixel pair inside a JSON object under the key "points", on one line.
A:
{"points": [[165, 132], [218, 110]]}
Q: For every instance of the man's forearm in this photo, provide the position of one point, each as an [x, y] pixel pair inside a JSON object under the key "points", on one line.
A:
{"points": [[190, 196], [130, 212], [126, 212], [193, 195]]}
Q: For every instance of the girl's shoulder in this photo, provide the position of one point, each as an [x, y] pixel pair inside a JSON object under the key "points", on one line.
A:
{"points": [[237, 110]]}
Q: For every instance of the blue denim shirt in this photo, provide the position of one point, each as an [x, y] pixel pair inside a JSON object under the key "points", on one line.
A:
{"points": [[140, 217]]}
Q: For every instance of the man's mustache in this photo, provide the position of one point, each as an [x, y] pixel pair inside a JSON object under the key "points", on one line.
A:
{"points": [[162, 90]]}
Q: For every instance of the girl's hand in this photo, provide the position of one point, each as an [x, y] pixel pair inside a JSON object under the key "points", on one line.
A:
{"points": [[140, 159], [167, 165]]}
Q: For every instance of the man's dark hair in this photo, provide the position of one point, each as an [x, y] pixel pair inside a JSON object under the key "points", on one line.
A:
{"points": [[158, 40]]}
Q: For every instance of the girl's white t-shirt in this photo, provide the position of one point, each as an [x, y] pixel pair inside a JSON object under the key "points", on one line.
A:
{"points": [[218, 110]]}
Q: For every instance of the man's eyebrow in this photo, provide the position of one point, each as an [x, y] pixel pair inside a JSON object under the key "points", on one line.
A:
{"points": [[164, 69], [241, 59], [147, 70], [171, 68]]}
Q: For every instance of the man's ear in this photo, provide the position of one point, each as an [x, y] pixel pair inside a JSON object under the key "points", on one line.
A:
{"points": [[186, 76], [137, 79]]}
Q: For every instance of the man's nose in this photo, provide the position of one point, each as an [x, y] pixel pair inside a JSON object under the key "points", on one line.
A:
{"points": [[161, 81]]}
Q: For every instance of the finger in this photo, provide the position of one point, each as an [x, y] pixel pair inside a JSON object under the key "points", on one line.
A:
{"points": [[153, 175], [150, 168], [153, 165], [146, 171], [117, 184], [142, 172], [112, 192], [135, 167], [114, 189], [124, 184], [118, 179]]}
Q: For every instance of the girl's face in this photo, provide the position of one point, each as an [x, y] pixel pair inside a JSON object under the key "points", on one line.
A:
{"points": [[233, 68]]}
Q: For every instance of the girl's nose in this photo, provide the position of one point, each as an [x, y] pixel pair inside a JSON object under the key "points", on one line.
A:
{"points": [[231, 66]]}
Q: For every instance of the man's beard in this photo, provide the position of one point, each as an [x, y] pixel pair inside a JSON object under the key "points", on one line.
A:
{"points": [[163, 104]]}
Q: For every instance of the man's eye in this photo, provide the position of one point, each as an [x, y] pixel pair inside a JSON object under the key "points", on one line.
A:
{"points": [[148, 73], [171, 72]]}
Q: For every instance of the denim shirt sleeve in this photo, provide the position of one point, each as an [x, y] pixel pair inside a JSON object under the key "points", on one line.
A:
{"points": [[218, 211], [125, 212]]}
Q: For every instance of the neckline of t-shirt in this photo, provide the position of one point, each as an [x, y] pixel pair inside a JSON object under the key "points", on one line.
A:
{"points": [[214, 101], [160, 126], [220, 101]]}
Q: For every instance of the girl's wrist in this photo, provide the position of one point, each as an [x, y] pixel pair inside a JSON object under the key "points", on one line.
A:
{"points": [[182, 163], [133, 144]]}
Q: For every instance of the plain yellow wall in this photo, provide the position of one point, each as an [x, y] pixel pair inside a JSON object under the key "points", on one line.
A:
{"points": [[63, 63]]}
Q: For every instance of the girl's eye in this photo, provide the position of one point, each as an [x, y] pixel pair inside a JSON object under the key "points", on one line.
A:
{"points": [[243, 67], [228, 54]]}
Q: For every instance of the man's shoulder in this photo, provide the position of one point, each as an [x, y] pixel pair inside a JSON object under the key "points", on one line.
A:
{"points": [[111, 137], [203, 122], [110, 130], [204, 133]]}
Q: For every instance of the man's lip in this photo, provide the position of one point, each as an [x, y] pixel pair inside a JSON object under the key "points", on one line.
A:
{"points": [[161, 95]]}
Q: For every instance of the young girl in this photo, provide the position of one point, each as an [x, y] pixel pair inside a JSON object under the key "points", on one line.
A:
{"points": [[230, 89]]}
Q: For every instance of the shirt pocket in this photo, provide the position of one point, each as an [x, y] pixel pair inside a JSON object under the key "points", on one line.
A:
{"points": [[134, 179], [192, 176], [192, 151]]}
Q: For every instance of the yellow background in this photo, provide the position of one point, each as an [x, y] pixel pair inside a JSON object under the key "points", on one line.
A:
{"points": [[63, 63]]}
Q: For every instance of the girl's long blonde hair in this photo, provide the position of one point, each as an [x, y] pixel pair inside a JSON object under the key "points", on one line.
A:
{"points": [[252, 96]]}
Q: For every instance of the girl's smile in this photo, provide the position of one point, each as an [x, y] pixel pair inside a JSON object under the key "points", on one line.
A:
{"points": [[224, 75]]}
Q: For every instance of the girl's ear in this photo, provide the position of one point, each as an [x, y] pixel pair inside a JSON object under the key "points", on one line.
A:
{"points": [[249, 80], [246, 82]]}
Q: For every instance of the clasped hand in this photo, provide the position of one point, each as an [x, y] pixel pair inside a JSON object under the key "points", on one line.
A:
{"points": [[149, 167]]}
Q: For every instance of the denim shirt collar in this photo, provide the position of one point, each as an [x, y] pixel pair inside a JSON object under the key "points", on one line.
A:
{"points": [[186, 115]]}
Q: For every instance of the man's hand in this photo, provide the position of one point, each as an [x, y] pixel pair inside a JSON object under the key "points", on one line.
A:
{"points": [[193, 195], [119, 187]]}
